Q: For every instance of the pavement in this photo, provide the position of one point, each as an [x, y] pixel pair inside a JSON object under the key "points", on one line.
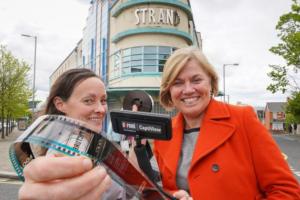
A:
{"points": [[291, 135], [297, 137], [6, 168]]}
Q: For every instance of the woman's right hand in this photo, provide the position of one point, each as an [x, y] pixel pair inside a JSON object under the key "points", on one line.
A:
{"points": [[63, 178]]}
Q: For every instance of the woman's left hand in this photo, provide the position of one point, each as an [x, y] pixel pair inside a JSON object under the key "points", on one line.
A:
{"points": [[182, 195]]}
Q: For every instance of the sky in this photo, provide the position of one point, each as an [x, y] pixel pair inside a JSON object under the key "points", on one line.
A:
{"points": [[233, 31]]}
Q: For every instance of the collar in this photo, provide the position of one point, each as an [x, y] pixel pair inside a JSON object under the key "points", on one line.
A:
{"points": [[215, 130]]}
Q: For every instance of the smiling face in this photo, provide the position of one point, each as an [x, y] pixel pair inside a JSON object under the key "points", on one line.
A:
{"points": [[86, 103], [191, 92]]}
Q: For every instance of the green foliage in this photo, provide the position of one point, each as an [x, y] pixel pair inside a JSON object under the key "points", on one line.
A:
{"points": [[279, 76], [293, 108], [288, 28], [289, 118], [14, 90]]}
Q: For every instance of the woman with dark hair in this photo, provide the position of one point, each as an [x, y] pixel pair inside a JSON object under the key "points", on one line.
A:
{"points": [[64, 85], [79, 94]]}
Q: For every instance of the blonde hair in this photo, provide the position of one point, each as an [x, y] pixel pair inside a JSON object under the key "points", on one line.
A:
{"points": [[175, 63]]}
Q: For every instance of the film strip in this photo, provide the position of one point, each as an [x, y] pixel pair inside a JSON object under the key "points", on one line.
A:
{"points": [[60, 134]]}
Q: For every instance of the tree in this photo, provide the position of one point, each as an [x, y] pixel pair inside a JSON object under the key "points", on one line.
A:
{"points": [[14, 90], [293, 107], [285, 77]]}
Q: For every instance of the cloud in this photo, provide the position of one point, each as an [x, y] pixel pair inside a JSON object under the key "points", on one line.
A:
{"points": [[58, 26], [85, 2], [241, 31]]}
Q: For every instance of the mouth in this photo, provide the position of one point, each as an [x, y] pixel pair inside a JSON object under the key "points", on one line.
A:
{"points": [[190, 100], [95, 123], [95, 120]]}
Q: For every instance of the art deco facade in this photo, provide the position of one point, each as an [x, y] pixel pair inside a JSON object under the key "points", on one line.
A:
{"points": [[127, 43]]}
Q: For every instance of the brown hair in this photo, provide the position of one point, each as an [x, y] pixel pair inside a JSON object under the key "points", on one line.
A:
{"points": [[64, 85], [175, 63]]}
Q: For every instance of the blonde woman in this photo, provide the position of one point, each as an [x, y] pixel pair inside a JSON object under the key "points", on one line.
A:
{"points": [[218, 151]]}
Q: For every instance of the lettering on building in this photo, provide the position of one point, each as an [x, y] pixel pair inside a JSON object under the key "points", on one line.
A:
{"points": [[157, 16]]}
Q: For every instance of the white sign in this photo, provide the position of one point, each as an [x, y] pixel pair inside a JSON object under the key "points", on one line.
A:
{"points": [[157, 16]]}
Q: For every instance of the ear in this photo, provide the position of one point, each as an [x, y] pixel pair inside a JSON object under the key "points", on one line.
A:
{"points": [[59, 104]]}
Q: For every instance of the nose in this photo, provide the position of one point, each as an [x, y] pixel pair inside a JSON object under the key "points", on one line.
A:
{"points": [[188, 88], [100, 108]]}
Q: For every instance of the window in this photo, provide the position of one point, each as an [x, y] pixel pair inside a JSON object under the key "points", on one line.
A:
{"points": [[150, 56], [163, 57], [136, 50], [277, 126], [160, 68], [136, 69], [125, 70], [136, 62], [142, 59], [162, 62], [150, 50], [164, 50], [150, 69], [126, 58], [137, 57], [126, 64], [150, 62], [127, 52], [117, 60]]}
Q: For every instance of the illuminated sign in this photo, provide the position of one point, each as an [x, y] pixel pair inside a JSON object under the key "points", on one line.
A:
{"points": [[157, 16]]}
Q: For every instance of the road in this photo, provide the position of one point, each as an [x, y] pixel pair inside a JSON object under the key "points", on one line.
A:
{"points": [[289, 145], [9, 189]]}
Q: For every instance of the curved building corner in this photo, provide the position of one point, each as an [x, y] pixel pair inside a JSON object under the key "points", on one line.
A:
{"points": [[127, 43]]}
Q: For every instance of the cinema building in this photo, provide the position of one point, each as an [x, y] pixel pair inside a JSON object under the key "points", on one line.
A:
{"points": [[127, 43]]}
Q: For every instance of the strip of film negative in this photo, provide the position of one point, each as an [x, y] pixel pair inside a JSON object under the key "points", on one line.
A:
{"points": [[60, 134]]}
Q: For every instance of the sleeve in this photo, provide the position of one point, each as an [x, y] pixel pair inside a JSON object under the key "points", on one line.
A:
{"points": [[275, 179], [166, 187], [157, 158]]}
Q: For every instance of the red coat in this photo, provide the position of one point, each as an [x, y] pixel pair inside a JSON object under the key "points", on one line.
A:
{"points": [[235, 158]]}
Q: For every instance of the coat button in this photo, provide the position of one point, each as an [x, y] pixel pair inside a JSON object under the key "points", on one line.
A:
{"points": [[215, 168]]}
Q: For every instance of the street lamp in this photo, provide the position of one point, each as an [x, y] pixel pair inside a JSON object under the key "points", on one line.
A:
{"points": [[34, 67], [227, 98], [224, 65]]}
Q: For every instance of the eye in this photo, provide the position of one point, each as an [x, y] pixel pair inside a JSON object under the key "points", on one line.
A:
{"points": [[197, 80], [88, 101], [103, 101], [177, 83]]}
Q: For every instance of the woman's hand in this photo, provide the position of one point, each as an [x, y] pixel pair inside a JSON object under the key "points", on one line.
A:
{"points": [[63, 178], [182, 195]]}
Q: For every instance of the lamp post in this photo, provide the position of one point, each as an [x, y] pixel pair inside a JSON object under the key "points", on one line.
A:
{"points": [[34, 67], [224, 65], [227, 95]]}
